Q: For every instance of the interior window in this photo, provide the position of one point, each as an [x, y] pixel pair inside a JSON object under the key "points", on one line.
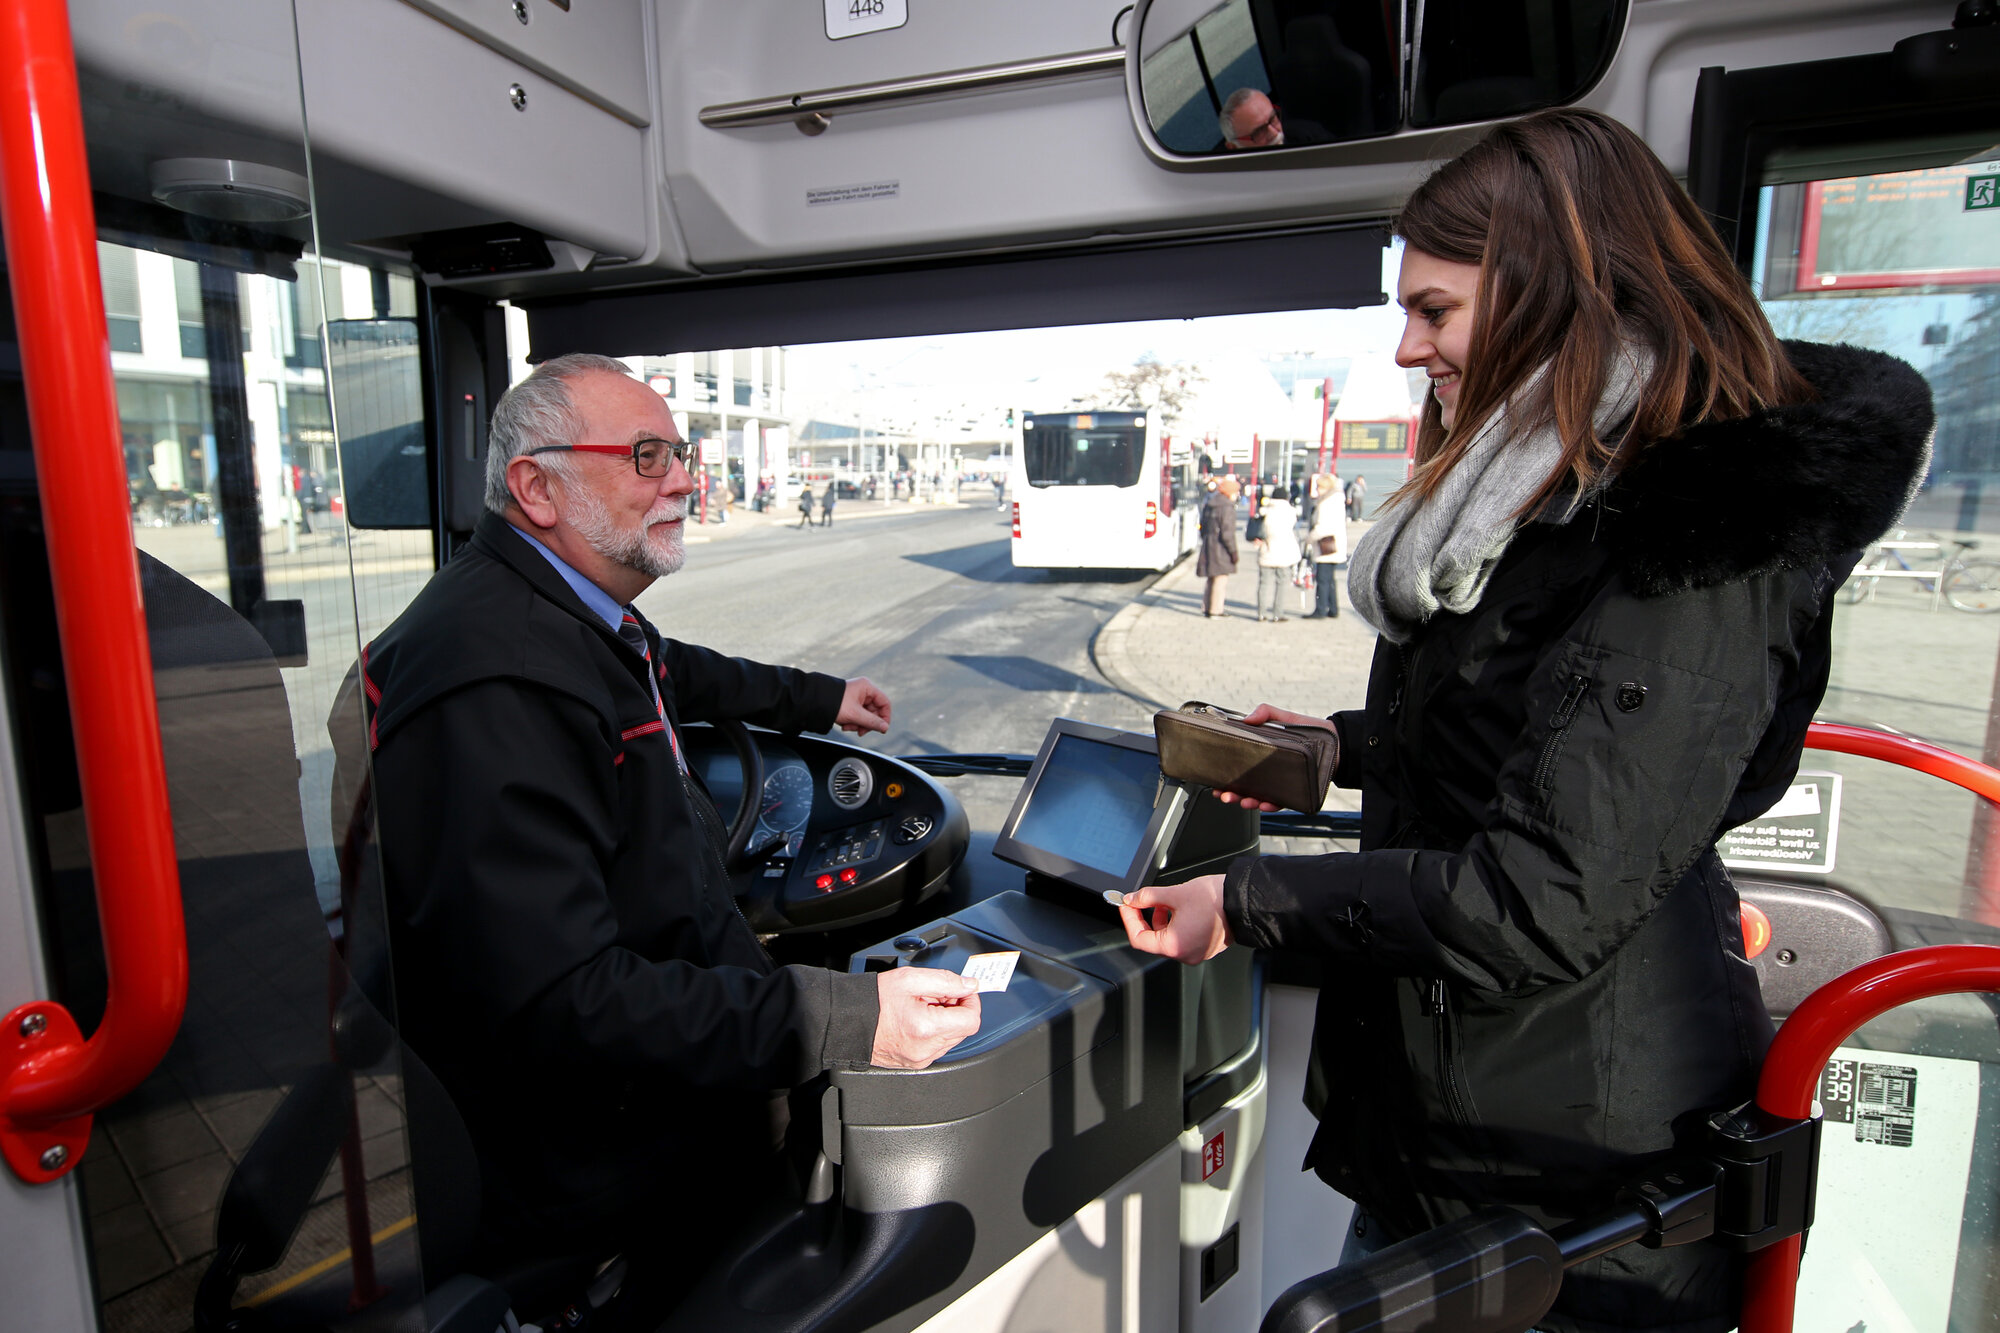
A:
{"points": [[1857, 246]]}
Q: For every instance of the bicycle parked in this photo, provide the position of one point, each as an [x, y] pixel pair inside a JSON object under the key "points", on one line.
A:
{"points": [[1969, 583]]}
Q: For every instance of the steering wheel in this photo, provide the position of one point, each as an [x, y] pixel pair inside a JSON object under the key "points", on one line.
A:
{"points": [[751, 760]]}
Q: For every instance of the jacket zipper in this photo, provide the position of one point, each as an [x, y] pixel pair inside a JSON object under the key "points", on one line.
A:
{"points": [[1545, 767], [1448, 1087]]}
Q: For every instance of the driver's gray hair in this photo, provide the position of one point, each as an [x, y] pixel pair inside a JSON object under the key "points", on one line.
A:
{"points": [[538, 413], [1230, 105]]}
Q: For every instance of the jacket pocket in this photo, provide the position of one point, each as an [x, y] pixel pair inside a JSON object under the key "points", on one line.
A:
{"points": [[1559, 720]]}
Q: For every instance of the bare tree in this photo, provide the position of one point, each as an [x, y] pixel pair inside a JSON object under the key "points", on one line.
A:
{"points": [[1152, 385], [1828, 319]]}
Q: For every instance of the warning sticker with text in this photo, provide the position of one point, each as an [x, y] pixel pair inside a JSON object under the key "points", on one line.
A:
{"points": [[1798, 833], [1880, 1101]]}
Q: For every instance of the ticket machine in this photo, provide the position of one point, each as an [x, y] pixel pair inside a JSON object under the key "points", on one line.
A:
{"points": [[1092, 1152]]}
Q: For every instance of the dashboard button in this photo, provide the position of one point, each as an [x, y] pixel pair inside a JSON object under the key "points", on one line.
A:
{"points": [[823, 883], [847, 876]]}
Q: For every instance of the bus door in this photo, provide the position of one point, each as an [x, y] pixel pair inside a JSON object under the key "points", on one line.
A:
{"points": [[268, 392], [1862, 198]]}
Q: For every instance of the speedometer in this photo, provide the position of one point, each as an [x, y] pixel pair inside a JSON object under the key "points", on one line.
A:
{"points": [[787, 800]]}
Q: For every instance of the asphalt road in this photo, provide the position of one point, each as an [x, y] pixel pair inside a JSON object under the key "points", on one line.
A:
{"points": [[974, 654]]}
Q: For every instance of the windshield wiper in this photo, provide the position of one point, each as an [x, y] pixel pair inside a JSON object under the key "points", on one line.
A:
{"points": [[960, 765]]}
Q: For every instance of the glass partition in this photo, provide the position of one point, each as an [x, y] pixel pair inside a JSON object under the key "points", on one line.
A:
{"points": [[282, 1089]]}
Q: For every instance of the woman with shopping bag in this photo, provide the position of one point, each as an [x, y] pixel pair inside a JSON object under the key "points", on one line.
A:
{"points": [[1326, 546]]}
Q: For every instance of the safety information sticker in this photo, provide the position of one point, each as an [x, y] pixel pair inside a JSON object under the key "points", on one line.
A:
{"points": [[1880, 1101], [821, 196], [1798, 833], [992, 970], [1895, 1160]]}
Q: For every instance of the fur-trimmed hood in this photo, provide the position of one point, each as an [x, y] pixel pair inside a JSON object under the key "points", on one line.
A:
{"points": [[1786, 488]]}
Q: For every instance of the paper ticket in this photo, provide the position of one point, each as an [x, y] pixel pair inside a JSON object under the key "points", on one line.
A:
{"points": [[992, 970]]}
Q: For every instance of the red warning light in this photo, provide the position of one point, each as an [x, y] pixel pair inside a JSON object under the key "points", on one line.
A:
{"points": [[823, 883], [1756, 930], [1152, 517], [1017, 518], [848, 875]]}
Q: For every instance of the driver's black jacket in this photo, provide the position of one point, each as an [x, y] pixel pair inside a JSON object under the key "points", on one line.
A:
{"points": [[568, 957], [1534, 968]]}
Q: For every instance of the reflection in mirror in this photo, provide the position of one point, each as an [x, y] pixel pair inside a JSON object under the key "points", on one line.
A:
{"points": [[1483, 59], [1260, 74], [379, 408]]}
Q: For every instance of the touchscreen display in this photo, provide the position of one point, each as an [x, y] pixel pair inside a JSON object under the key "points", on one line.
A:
{"points": [[1092, 804]]}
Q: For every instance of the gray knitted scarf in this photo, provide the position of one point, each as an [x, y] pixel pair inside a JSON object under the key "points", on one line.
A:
{"points": [[1417, 560]]}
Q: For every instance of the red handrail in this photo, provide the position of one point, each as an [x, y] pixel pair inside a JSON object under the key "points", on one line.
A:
{"points": [[1799, 1054], [1920, 755], [51, 1080]]}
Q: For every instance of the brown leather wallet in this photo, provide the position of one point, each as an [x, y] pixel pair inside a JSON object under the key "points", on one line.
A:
{"points": [[1207, 746]]}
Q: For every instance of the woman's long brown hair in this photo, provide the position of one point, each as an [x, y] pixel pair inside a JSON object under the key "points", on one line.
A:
{"points": [[1585, 240]]}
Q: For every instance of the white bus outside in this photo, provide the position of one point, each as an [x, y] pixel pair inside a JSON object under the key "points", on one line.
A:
{"points": [[1100, 490]]}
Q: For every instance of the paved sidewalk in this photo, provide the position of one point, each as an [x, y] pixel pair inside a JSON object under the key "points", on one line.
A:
{"points": [[1162, 650]]}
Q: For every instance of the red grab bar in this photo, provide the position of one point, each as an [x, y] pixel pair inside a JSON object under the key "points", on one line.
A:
{"points": [[1799, 1054], [51, 1080], [1920, 755]]}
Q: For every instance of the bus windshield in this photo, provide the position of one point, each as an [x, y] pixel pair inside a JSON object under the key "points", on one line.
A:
{"points": [[1084, 449]]}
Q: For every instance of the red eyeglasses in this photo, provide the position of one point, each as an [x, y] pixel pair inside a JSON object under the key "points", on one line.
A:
{"points": [[650, 457]]}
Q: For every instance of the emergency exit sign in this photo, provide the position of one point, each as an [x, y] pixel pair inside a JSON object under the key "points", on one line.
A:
{"points": [[1982, 192]]}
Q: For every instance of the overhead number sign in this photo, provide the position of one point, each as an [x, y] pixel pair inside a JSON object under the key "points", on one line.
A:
{"points": [[851, 18]]}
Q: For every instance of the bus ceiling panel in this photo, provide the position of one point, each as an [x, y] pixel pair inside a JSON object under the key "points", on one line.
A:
{"points": [[1651, 85], [597, 51], [215, 80], [222, 63], [462, 122], [1307, 269], [1011, 166]]}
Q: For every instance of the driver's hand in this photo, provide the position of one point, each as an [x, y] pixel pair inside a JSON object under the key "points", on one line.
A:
{"points": [[924, 1012], [1257, 717], [863, 708]]}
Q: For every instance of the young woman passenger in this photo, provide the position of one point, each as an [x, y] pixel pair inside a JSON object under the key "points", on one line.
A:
{"points": [[1604, 600]]}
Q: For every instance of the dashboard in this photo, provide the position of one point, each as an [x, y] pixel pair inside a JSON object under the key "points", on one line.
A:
{"points": [[843, 835]]}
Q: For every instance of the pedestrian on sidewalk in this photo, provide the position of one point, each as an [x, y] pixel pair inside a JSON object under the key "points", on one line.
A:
{"points": [[1326, 546], [805, 506], [1216, 560], [1535, 983], [1277, 554], [1357, 491], [826, 505]]}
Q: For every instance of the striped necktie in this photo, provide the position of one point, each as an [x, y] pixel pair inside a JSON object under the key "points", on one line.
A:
{"points": [[634, 635]]}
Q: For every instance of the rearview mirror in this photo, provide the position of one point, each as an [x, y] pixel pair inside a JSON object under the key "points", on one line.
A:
{"points": [[1222, 84], [373, 372]]}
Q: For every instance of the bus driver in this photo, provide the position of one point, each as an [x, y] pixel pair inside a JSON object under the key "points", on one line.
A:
{"points": [[569, 959]]}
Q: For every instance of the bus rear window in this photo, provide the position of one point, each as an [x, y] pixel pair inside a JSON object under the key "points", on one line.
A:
{"points": [[1057, 454]]}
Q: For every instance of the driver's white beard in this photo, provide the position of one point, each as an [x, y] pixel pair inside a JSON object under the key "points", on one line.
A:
{"points": [[581, 508]]}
